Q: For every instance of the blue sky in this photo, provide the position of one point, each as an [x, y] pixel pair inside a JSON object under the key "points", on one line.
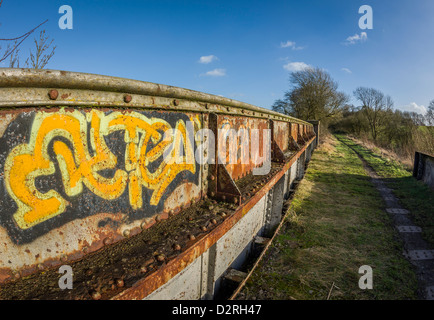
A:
{"points": [[249, 46]]}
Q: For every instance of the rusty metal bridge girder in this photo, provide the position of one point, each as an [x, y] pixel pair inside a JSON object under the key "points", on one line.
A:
{"points": [[146, 286], [81, 168]]}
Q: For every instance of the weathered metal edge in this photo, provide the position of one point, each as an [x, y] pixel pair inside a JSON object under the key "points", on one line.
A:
{"points": [[13, 78], [424, 153], [147, 285]]}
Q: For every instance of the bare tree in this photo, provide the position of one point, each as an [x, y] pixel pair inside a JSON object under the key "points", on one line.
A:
{"points": [[39, 59], [429, 116], [374, 107], [314, 95]]}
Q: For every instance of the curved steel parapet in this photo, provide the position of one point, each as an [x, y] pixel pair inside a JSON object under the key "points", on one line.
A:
{"points": [[73, 89], [83, 181]]}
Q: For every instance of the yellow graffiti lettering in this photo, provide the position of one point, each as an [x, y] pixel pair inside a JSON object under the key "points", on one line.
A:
{"points": [[80, 164]]}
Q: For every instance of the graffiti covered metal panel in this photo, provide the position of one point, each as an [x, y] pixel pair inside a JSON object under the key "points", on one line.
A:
{"points": [[73, 180], [281, 134]]}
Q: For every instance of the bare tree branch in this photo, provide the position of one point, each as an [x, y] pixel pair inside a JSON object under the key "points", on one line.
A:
{"points": [[15, 59], [39, 60]]}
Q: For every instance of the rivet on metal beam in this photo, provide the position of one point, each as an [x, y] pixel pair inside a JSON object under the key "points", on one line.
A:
{"points": [[127, 98], [53, 94], [176, 102]]}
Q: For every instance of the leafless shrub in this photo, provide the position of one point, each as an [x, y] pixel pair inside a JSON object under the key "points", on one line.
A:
{"points": [[40, 58]]}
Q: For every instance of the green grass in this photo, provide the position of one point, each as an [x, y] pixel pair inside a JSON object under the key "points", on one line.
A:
{"points": [[386, 168], [414, 195], [337, 223]]}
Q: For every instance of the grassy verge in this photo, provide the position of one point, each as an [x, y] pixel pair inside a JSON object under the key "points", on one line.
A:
{"points": [[337, 224], [414, 195]]}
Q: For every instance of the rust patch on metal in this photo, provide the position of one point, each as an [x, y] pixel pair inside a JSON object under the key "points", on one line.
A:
{"points": [[65, 96], [294, 131], [234, 143], [281, 132]]}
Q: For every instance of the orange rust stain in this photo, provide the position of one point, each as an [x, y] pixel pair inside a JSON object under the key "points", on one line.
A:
{"points": [[236, 144]]}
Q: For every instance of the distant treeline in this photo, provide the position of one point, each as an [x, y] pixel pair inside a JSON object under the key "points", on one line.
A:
{"points": [[314, 95], [401, 132]]}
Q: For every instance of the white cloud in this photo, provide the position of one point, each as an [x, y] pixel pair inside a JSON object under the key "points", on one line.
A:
{"points": [[347, 70], [296, 66], [362, 37], [290, 44], [284, 59], [207, 59], [216, 73], [287, 44], [414, 107]]}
